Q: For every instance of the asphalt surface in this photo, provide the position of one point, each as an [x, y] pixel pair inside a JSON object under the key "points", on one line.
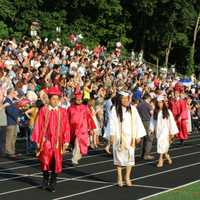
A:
{"points": [[95, 176]]}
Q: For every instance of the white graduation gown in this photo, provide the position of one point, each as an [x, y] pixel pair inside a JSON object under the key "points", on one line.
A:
{"points": [[162, 128], [127, 156]]}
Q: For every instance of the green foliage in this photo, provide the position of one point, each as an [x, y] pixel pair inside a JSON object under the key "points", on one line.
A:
{"points": [[147, 24], [3, 30]]}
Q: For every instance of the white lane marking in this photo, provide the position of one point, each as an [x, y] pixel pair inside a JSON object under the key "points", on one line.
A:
{"points": [[34, 158], [85, 165], [91, 181], [33, 165], [28, 159], [27, 166], [90, 156], [138, 165], [172, 189], [92, 174], [139, 178], [152, 187]]}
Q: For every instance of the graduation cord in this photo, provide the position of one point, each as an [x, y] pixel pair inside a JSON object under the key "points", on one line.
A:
{"points": [[58, 136], [42, 138], [121, 142]]}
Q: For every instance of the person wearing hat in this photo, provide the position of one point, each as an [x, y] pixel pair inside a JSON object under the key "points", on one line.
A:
{"points": [[51, 134], [126, 129], [179, 108], [163, 124], [81, 125]]}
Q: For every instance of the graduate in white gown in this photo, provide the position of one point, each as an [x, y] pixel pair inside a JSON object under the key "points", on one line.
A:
{"points": [[164, 125], [126, 129]]}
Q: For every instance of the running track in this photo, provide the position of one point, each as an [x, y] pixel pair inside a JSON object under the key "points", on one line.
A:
{"points": [[94, 178]]}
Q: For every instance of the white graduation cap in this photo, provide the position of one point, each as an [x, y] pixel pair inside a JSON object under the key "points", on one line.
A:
{"points": [[123, 93], [160, 98]]}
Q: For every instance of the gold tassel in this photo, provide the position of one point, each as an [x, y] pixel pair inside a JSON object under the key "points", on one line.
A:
{"points": [[57, 145]]}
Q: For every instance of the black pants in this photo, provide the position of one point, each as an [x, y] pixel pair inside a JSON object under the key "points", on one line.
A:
{"points": [[2, 139], [52, 167]]}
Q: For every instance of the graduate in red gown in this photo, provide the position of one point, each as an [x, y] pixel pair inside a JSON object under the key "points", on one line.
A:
{"points": [[51, 133], [81, 125], [178, 106]]}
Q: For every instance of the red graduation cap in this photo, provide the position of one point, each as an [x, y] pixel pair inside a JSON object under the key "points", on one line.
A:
{"points": [[179, 87], [77, 94], [54, 91]]}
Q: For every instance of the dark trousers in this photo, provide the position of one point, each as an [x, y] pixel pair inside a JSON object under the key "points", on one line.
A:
{"points": [[53, 176], [2, 139], [147, 140], [195, 125]]}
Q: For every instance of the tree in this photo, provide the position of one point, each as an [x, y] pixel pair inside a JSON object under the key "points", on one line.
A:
{"points": [[165, 29], [3, 30]]}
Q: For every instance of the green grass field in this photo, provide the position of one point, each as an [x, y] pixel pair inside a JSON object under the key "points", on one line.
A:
{"points": [[190, 192]]}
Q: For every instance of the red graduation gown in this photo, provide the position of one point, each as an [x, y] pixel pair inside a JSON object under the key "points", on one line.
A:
{"points": [[180, 111], [50, 133], [81, 123]]}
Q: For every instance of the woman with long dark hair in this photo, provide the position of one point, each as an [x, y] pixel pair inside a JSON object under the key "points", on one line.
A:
{"points": [[164, 125], [126, 129]]}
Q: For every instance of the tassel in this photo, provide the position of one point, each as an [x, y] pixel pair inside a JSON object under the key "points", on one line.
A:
{"points": [[38, 152], [57, 145]]}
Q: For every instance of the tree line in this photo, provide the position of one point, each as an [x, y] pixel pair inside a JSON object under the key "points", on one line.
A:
{"points": [[167, 30]]}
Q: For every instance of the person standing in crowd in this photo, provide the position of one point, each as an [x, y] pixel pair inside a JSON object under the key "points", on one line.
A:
{"points": [[87, 91], [145, 110], [94, 141], [3, 123], [195, 116], [179, 108], [109, 101], [81, 125], [126, 130], [164, 125], [12, 113], [51, 134], [31, 114]]}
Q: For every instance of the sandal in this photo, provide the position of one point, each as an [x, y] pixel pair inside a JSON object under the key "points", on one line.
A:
{"points": [[169, 160], [160, 163], [120, 183], [129, 183]]}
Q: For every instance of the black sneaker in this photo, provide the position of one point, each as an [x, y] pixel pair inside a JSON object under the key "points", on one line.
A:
{"points": [[52, 183], [44, 185], [51, 188], [45, 181]]}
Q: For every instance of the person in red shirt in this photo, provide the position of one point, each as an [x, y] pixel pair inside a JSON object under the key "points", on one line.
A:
{"points": [[81, 125], [51, 133], [179, 108]]}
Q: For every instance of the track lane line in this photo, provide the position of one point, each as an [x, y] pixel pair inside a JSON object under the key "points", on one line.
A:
{"points": [[83, 165], [172, 189], [139, 178], [103, 172]]}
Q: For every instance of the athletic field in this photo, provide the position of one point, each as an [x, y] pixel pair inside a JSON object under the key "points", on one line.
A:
{"points": [[95, 177]]}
